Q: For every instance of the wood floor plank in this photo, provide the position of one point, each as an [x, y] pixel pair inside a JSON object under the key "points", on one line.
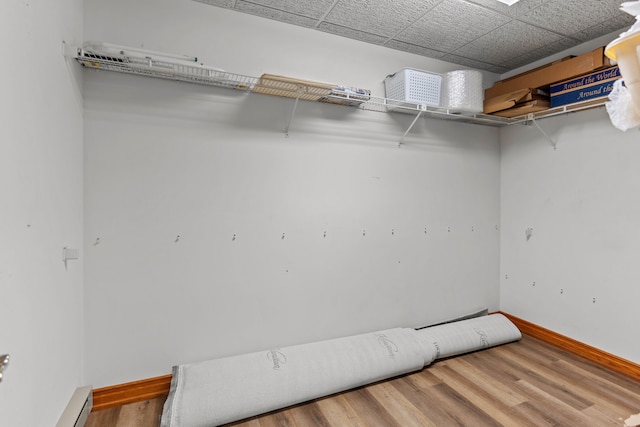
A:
{"points": [[463, 411], [308, 415], [538, 375], [608, 391], [483, 378], [339, 412], [370, 411], [426, 401], [480, 397], [399, 405], [561, 412], [601, 416]]}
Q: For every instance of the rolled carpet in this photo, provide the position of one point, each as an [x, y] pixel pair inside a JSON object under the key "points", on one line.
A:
{"points": [[224, 390]]}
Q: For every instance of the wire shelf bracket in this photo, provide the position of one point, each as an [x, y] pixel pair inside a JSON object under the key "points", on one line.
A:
{"points": [[415, 119], [293, 112], [551, 141]]}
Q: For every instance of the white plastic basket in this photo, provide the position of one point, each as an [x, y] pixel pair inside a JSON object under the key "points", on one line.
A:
{"points": [[413, 87]]}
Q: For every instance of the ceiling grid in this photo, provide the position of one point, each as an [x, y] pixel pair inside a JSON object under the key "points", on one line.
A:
{"points": [[482, 34]]}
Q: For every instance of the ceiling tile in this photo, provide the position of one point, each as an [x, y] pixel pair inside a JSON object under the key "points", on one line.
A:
{"points": [[220, 3], [276, 14], [412, 48], [506, 42], [309, 8], [516, 10], [570, 16], [381, 17], [542, 52], [351, 33], [473, 63], [452, 24], [619, 23]]}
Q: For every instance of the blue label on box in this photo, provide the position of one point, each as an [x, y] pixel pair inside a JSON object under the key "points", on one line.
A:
{"points": [[591, 86]]}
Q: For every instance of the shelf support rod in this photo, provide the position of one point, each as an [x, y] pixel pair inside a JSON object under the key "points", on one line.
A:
{"points": [[553, 143], [410, 126], [293, 112]]}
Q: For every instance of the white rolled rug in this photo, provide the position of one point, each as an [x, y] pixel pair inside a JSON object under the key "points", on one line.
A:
{"points": [[224, 390], [455, 338]]}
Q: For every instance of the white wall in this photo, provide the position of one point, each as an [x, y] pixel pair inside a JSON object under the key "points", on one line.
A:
{"points": [[41, 210], [165, 159], [583, 203]]}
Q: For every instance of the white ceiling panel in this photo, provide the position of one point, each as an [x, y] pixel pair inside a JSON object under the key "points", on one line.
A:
{"points": [[310, 8], [617, 23], [507, 42], [412, 48], [553, 15], [533, 55], [351, 33], [276, 14], [382, 17], [473, 63], [436, 28], [482, 34]]}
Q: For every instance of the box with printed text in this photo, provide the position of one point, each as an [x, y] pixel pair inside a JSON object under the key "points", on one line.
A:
{"points": [[583, 88]]}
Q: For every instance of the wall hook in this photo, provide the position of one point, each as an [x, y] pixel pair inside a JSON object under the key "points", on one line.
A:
{"points": [[363, 232], [393, 232], [282, 236], [528, 233], [177, 239], [233, 239], [4, 363], [97, 242], [325, 234]]}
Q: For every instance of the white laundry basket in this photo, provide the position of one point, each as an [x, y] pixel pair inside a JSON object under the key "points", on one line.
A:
{"points": [[410, 86]]}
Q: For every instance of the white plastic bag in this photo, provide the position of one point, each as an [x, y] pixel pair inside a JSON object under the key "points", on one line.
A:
{"points": [[621, 109]]}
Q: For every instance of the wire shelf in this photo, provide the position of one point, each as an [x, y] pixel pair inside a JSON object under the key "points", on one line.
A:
{"points": [[165, 69], [103, 56]]}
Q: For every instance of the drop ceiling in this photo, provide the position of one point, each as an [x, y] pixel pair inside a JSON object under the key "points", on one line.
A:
{"points": [[482, 34]]}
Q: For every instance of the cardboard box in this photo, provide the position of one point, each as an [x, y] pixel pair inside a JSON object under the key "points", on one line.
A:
{"points": [[590, 86], [527, 107], [554, 72], [512, 99]]}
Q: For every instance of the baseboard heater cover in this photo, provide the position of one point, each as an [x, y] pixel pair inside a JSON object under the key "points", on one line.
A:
{"points": [[77, 411], [224, 390]]}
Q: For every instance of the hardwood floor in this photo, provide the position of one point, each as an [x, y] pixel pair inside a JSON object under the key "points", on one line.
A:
{"points": [[526, 383]]}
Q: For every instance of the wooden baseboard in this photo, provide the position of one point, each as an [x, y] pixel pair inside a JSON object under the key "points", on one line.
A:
{"points": [[137, 391], [597, 356]]}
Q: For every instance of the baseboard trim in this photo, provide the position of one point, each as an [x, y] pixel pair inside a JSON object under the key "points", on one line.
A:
{"points": [[136, 391], [595, 355]]}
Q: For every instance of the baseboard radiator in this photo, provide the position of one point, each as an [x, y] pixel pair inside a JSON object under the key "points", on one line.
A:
{"points": [[78, 408]]}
